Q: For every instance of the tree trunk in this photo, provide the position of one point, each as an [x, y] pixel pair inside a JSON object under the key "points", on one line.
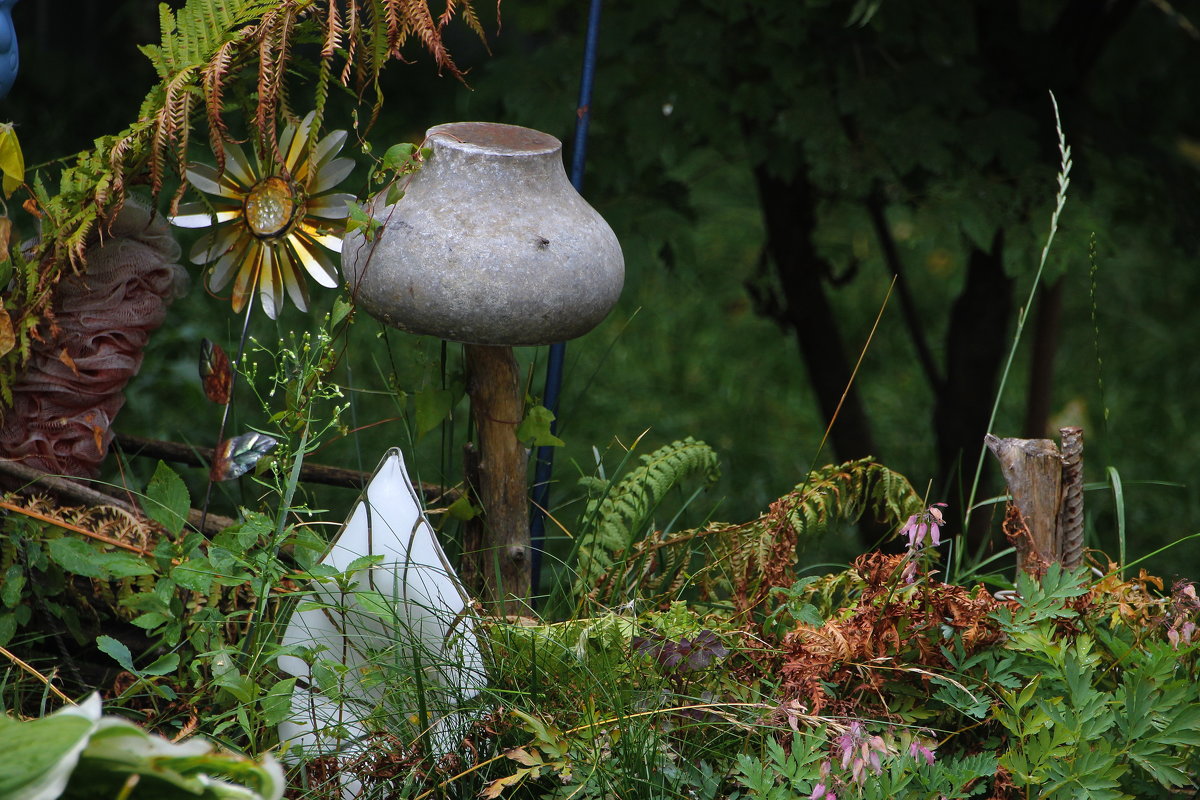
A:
{"points": [[976, 345], [789, 211]]}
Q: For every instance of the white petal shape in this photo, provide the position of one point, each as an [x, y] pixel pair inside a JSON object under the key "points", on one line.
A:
{"points": [[331, 175], [237, 166], [314, 260], [330, 241], [209, 181], [410, 606], [329, 206], [328, 147], [200, 215]]}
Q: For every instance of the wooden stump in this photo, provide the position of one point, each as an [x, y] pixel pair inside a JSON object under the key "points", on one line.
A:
{"points": [[1045, 517]]}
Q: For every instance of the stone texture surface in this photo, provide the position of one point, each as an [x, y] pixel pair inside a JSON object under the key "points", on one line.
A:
{"points": [[489, 245]]}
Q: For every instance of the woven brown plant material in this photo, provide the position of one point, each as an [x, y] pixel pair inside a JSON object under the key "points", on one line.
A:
{"points": [[73, 387]]}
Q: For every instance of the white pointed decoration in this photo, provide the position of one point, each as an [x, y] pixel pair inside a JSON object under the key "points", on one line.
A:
{"points": [[394, 645]]}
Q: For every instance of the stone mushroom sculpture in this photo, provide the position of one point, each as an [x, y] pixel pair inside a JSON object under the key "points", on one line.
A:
{"points": [[491, 246]]}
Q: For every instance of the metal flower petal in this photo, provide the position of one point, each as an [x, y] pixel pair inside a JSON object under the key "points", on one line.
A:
{"points": [[277, 219]]}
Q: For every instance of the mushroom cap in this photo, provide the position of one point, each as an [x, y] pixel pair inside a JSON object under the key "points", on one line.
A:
{"points": [[490, 244]]}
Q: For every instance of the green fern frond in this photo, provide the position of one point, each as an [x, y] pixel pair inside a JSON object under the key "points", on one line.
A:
{"points": [[744, 562], [620, 516]]}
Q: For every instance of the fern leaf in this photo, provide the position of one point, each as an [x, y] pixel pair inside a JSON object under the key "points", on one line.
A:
{"points": [[620, 517]]}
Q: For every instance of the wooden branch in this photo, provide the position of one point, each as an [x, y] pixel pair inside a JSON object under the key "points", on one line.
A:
{"points": [[1033, 471], [309, 472], [26, 480], [493, 382]]}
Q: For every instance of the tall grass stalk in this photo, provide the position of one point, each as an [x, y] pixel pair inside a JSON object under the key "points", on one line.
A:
{"points": [[1064, 180]]}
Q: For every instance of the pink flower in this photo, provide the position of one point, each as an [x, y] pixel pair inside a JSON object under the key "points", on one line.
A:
{"points": [[918, 750], [926, 524]]}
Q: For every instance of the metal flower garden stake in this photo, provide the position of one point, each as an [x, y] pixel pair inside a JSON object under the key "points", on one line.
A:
{"points": [[491, 246]]}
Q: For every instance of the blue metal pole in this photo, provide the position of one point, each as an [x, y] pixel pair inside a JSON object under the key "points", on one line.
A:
{"points": [[554, 363]]}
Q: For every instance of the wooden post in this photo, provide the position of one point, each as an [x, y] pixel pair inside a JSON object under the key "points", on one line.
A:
{"points": [[493, 382], [1033, 471], [1045, 517]]}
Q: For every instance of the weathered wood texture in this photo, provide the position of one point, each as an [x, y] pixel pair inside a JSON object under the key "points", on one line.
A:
{"points": [[1046, 487], [493, 382], [1033, 471], [1070, 518]]}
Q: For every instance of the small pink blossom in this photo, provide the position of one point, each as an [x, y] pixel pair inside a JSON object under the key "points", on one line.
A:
{"points": [[926, 524], [918, 751]]}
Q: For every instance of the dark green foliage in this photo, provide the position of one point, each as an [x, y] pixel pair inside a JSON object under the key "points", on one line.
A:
{"points": [[620, 515]]}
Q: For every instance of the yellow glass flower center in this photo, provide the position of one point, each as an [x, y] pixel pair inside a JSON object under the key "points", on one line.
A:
{"points": [[270, 207]]}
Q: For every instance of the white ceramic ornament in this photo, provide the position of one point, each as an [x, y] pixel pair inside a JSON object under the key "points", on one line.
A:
{"points": [[405, 617]]}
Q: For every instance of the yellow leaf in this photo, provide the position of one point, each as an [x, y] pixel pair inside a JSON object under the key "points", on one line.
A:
{"points": [[8, 338], [523, 756], [497, 787], [12, 161]]}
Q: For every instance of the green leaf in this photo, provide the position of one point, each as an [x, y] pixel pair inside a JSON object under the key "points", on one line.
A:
{"points": [[123, 565], [164, 665], [535, 428], [377, 605], [167, 500], [431, 406], [341, 309], [119, 652], [463, 509], [40, 755], [195, 574], [357, 219], [12, 161], [276, 704], [77, 557], [363, 562], [399, 155], [240, 686], [14, 582], [8, 628]]}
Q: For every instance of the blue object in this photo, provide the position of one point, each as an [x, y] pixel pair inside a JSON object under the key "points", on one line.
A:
{"points": [[554, 365], [9, 56]]}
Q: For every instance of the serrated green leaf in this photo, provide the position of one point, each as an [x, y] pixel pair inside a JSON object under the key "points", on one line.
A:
{"points": [[167, 500], [195, 574], [123, 565], [76, 557], [376, 604], [363, 562]]}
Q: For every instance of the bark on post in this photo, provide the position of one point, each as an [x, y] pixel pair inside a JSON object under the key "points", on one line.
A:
{"points": [[493, 382], [1070, 521], [1033, 471]]}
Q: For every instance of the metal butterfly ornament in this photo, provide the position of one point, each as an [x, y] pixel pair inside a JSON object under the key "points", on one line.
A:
{"points": [[216, 374], [236, 456]]}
